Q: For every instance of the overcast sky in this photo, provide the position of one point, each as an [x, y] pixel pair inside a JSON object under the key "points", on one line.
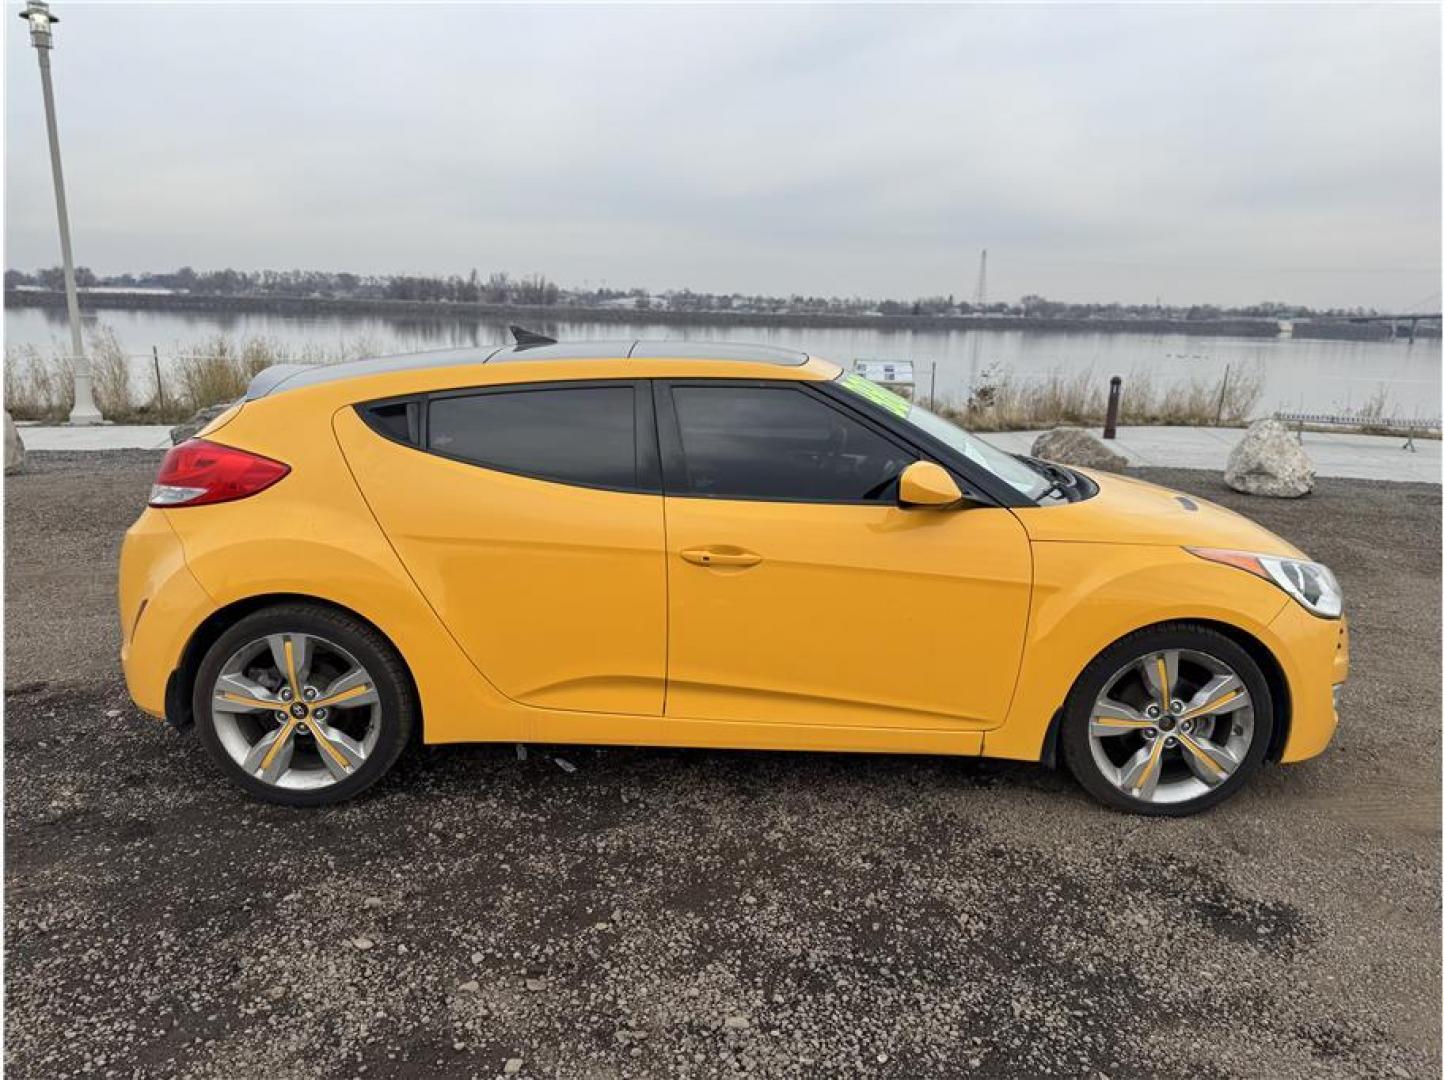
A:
{"points": [[1197, 153]]}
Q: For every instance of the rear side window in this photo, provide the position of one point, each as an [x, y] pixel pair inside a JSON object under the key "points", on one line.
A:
{"points": [[749, 442], [397, 420], [579, 435]]}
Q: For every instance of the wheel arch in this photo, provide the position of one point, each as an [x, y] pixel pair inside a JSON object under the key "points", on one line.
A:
{"points": [[180, 686], [1260, 653], [1273, 673]]}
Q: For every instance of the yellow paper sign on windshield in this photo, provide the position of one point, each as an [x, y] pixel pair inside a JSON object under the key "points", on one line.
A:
{"points": [[878, 395]]}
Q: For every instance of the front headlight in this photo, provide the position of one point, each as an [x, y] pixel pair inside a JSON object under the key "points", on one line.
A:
{"points": [[1312, 584]]}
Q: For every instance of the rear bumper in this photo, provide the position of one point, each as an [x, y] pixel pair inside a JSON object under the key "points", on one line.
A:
{"points": [[161, 604], [1314, 654]]}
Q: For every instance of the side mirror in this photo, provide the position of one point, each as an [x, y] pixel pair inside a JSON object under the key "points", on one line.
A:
{"points": [[924, 483]]}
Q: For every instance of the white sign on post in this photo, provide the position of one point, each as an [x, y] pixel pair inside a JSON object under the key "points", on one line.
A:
{"points": [[886, 372]]}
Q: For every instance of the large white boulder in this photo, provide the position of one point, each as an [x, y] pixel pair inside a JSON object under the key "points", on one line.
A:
{"points": [[1269, 461], [14, 448], [1074, 446]]}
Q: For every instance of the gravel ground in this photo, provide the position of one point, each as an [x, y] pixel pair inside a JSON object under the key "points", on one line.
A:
{"points": [[689, 913]]}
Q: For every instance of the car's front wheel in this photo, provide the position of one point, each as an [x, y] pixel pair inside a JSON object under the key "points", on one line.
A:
{"points": [[303, 705], [1168, 721]]}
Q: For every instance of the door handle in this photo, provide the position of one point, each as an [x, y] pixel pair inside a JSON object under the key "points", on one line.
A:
{"points": [[721, 557]]}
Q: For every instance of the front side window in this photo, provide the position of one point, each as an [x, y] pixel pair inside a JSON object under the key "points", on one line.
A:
{"points": [[980, 452], [750, 442], [575, 435]]}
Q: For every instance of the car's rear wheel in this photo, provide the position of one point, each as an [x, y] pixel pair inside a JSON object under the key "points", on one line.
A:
{"points": [[303, 705], [1168, 721]]}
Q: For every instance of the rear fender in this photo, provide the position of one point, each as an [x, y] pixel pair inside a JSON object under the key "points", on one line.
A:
{"points": [[312, 535]]}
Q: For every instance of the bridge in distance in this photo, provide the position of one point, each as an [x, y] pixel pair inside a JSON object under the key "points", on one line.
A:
{"points": [[1413, 318]]}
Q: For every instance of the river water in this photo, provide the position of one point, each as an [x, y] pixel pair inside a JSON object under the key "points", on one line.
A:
{"points": [[1297, 373]]}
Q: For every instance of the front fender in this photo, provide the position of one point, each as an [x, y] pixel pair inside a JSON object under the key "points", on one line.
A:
{"points": [[1088, 595]]}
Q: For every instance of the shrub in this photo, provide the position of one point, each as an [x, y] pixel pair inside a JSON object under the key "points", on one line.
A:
{"points": [[110, 374], [37, 386]]}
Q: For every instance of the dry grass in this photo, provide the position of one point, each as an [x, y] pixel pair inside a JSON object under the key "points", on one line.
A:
{"points": [[109, 373], [38, 387], [219, 370], [1375, 410], [1005, 402], [38, 384]]}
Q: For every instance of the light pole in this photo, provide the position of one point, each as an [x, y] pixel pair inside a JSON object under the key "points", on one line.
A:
{"points": [[37, 14]]}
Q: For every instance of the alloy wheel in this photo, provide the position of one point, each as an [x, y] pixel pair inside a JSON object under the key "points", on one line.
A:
{"points": [[295, 710], [1171, 726]]}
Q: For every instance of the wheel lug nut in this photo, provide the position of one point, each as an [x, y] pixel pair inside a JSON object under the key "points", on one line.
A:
{"points": [[320, 714], [309, 693], [280, 716], [1171, 741]]}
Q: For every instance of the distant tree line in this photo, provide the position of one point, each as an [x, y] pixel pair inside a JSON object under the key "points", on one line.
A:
{"points": [[538, 290]]}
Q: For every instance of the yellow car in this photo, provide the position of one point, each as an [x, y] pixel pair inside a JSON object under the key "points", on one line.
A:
{"points": [[674, 544]]}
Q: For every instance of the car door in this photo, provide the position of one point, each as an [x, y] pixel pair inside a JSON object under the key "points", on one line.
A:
{"points": [[802, 593], [530, 517]]}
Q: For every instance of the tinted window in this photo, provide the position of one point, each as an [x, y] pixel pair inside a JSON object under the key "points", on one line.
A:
{"points": [[581, 435], [780, 443], [399, 420]]}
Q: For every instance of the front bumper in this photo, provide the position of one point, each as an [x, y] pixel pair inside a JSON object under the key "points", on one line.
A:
{"points": [[1314, 654]]}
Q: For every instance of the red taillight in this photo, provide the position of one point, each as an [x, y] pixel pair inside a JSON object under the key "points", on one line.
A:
{"points": [[198, 472]]}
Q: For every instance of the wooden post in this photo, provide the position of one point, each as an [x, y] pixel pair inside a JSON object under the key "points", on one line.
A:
{"points": [[1115, 391], [933, 389], [159, 386], [1222, 393]]}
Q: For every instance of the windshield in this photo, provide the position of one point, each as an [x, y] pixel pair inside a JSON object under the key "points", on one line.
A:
{"points": [[1002, 465]]}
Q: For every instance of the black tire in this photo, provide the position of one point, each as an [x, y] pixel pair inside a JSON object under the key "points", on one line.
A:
{"points": [[366, 644], [1077, 751]]}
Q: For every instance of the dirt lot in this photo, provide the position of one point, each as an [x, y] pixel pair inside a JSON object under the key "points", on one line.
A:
{"points": [[684, 913]]}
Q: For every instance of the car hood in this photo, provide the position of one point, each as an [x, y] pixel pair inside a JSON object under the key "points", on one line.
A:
{"points": [[1128, 511]]}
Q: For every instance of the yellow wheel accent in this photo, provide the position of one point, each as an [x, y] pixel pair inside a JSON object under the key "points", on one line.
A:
{"points": [[249, 702], [291, 669], [1212, 706], [325, 744], [1121, 723], [287, 730], [1152, 763], [1165, 691], [344, 695]]}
